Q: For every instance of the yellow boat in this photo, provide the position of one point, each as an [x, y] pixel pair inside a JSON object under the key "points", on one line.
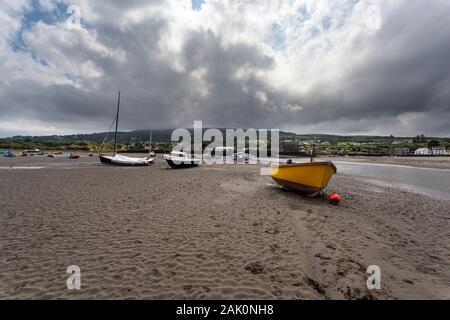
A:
{"points": [[307, 178]]}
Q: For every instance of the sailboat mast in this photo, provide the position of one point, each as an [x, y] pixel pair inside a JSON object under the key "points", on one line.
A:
{"points": [[150, 144], [117, 124], [313, 151]]}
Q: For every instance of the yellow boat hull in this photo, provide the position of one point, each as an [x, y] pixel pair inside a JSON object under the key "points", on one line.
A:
{"points": [[307, 178]]}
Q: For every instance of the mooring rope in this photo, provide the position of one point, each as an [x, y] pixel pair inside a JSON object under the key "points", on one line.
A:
{"points": [[106, 137]]}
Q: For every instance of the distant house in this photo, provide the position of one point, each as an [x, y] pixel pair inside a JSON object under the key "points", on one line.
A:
{"points": [[423, 152], [401, 152], [439, 151]]}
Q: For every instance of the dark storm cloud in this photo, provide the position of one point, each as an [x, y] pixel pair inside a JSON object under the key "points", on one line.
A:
{"points": [[406, 68], [395, 79], [229, 101]]}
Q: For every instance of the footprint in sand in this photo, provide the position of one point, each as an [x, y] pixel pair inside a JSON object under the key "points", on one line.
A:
{"points": [[255, 268]]}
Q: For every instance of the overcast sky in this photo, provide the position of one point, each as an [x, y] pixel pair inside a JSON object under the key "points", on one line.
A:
{"points": [[359, 67]]}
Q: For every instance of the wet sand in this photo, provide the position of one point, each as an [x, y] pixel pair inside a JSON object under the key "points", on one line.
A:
{"points": [[221, 232]]}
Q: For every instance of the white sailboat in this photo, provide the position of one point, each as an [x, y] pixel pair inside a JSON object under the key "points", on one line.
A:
{"points": [[121, 160]]}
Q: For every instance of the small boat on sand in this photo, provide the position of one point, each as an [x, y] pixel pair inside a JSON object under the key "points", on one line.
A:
{"points": [[120, 160], [307, 178], [179, 160], [73, 156], [32, 153]]}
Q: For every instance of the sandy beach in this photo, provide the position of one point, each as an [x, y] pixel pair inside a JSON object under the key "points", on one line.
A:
{"points": [[219, 232]]}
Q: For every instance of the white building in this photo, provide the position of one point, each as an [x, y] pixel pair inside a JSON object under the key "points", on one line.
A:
{"points": [[436, 151], [423, 152], [439, 151]]}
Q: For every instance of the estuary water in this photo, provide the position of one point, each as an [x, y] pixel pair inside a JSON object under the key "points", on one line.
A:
{"points": [[431, 182]]}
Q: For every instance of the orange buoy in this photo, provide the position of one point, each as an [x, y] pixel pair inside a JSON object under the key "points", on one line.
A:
{"points": [[335, 199]]}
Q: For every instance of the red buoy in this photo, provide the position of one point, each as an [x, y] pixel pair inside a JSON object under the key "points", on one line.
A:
{"points": [[335, 199]]}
